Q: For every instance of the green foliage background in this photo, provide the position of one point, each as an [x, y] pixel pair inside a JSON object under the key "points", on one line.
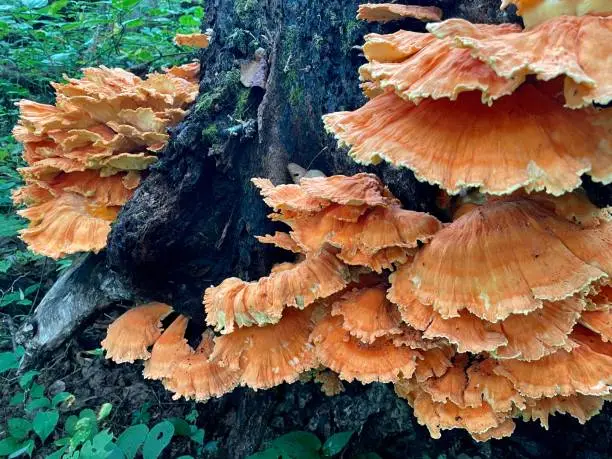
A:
{"points": [[42, 40]]}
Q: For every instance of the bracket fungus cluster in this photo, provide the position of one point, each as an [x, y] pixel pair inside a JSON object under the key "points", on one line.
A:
{"points": [[86, 153], [504, 312]]}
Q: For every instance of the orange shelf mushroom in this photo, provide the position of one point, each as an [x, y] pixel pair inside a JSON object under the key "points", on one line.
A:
{"points": [[193, 40], [85, 154], [535, 12], [450, 105], [502, 314], [385, 12]]}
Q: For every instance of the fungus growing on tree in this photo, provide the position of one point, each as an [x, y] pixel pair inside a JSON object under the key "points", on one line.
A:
{"points": [[503, 313], [193, 40], [535, 12], [385, 12], [86, 153]]}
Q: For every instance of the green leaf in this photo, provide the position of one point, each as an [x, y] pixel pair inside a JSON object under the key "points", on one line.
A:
{"points": [[336, 443], [99, 447], [197, 436], [298, 445], [104, 411], [8, 446], [10, 224], [8, 361], [181, 427], [17, 399], [26, 447], [44, 423], [58, 454], [37, 391], [158, 438], [70, 424], [37, 404], [19, 428], [26, 379], [56, 7], [131, 439], [125, 4], [60, 398], [188, 20]]}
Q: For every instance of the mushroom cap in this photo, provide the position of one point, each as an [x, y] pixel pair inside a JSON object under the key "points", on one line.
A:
{"points": [[534, 12], [168, 350], [586, 369], [434, 363], [463, 144], [129, 336], [367, 314], [270, 355], [577, 48], [349, 190], [395, 47], [330, 383], [599, 322], [67, 224], [235, 302], [281, 240], [438, 70], [385, 12], [193, 40], [581, 407], [360, 242], [196, 377], [504, 258], [353, 360]]}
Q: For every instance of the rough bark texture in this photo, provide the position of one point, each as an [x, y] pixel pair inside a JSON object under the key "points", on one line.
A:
{"points": [[191, 223]]}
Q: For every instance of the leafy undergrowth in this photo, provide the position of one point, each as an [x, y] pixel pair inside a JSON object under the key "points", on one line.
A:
{"points": [[80, 406]]}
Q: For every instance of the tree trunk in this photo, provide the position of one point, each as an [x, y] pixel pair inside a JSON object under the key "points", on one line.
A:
{"points": [[192, 222]]}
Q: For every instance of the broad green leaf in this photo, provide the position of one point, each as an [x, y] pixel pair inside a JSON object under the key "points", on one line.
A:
{"points": [[58, 454], [37, 404], [158, 438], [19, 428], [56, 7], [70, 424], [125, 4], [37, 391], [98, 447], [131, 439], [17, 399], [26, 379], [197, 435], [188, 20], [44, 423], [104, 411], [8, 361], [181, 427], [9, 445], [297, 445], [26, 447], [336, 443]]}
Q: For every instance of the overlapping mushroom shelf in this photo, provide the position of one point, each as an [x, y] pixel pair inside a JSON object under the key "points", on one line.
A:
{"points": [[503, 313], [490, 107], [86, 153]]}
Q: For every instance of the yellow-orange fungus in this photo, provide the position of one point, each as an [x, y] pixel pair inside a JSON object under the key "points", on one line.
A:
{"points": [[367, 314], [385, 12], [238, 303], [455, 143], [129, 337], [353, 360], [270, 355], [577, 48], [168, 350], [504, 258], [535, 12]]}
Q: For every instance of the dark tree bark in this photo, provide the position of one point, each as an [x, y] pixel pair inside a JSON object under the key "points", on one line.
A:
{"points": [[193, 220]]}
